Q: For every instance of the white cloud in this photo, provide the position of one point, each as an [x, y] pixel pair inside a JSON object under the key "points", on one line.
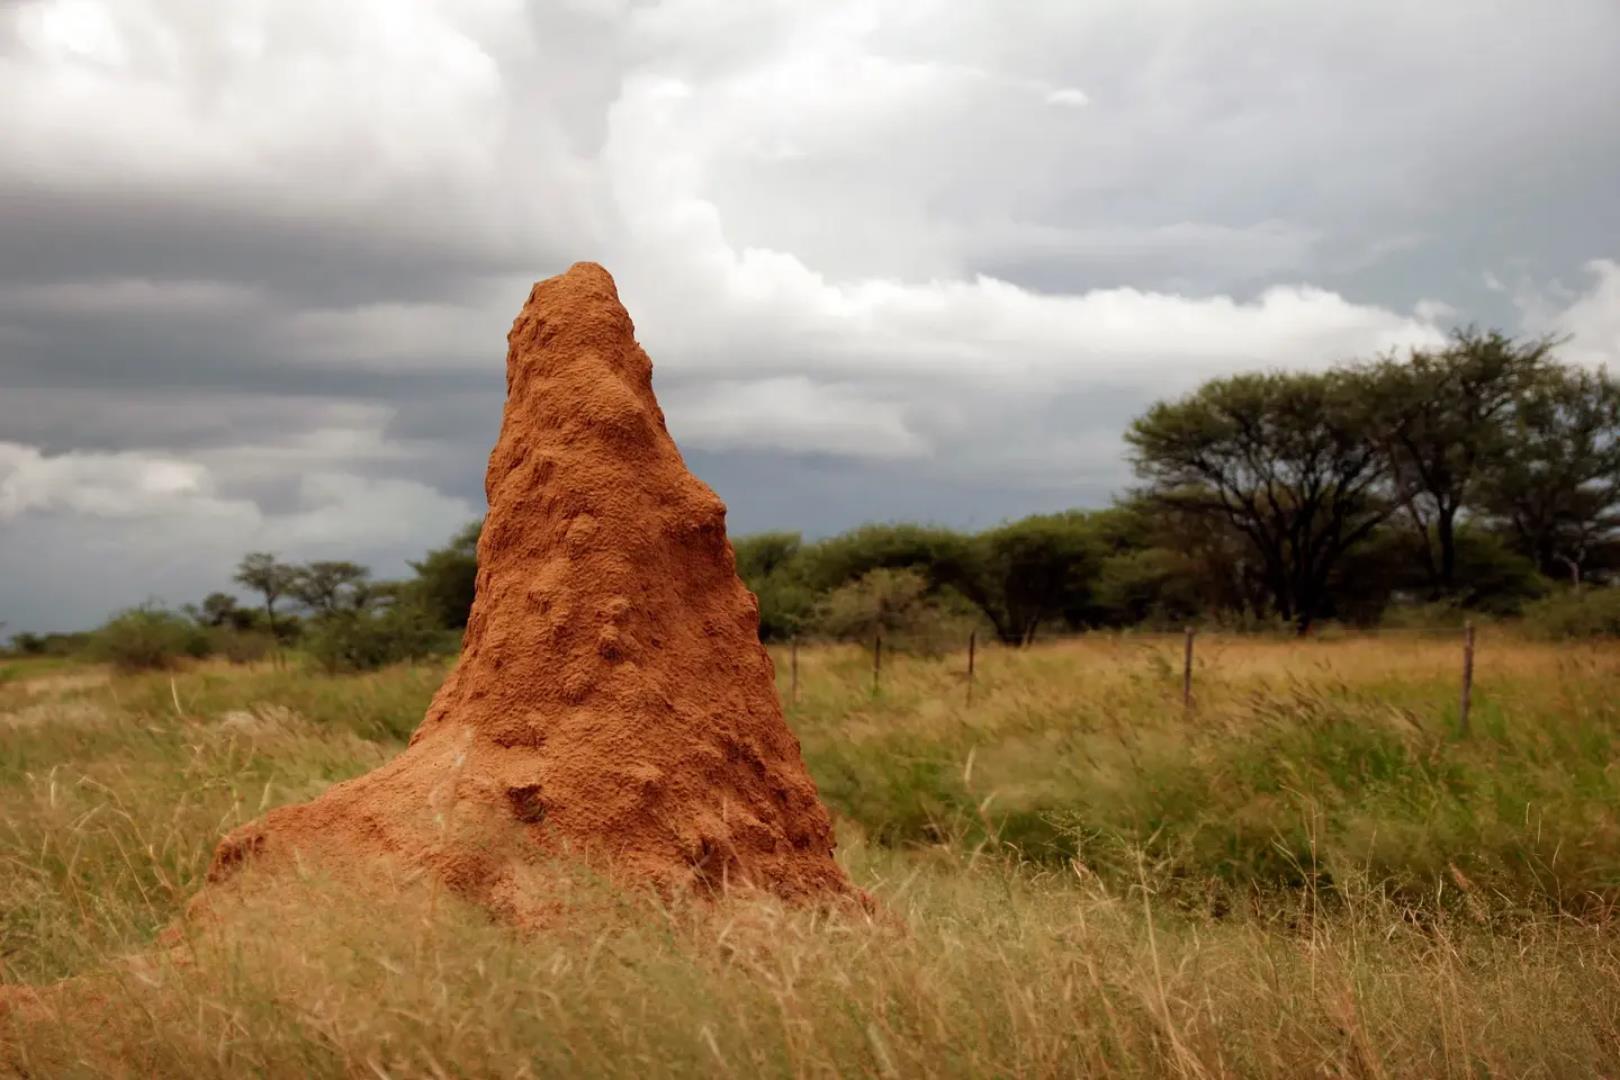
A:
{"points": [[123, 485], [794, 414], [1068, 96], [1434, 311], [395, 115], [1591, 320], [233, 92]]}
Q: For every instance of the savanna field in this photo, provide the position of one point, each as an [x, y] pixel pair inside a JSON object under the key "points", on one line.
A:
{"points": [[1310, 872]]}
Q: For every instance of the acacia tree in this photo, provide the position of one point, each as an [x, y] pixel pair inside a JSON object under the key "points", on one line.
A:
{"points": [[447, 578], [1558, 491], [329, 587], [220, 609], [1032, 571], [1444, 423], [261, 572], [1289, 461]]}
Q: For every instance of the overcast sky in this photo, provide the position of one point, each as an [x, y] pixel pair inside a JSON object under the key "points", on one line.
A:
{"points": [[907, 260]]}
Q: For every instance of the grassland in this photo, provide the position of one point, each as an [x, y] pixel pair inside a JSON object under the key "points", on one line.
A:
{"points": [[1308, 873]]}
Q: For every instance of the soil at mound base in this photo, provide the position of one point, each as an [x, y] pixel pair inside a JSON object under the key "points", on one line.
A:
{"points": [[612, 698]]}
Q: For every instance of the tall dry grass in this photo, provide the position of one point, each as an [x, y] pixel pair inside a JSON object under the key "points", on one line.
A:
{"points": [[1308, 874]]}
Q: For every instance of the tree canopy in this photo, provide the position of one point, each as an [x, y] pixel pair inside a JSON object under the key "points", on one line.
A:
{"points": [[1290, 461]]}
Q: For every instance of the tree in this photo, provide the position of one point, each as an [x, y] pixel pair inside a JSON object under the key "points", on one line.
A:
{"points": [[1388, 571], [1032, 571], [1444, 424], [1289, 461], [220, 610], [1160, 564], [943, 556], [447, 578], [1558, 492], [770, 565], [328, 587], [273, 580], [763, 554]]}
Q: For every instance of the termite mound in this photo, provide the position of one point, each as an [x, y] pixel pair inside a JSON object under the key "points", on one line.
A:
{"points": [[612, 700]]}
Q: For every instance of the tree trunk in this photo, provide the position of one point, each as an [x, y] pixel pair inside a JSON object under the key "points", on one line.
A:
{"points": [[1305, 617], [1007, 632], [275, 638], [1420, 528], [1445, 525], [1574, 572]]}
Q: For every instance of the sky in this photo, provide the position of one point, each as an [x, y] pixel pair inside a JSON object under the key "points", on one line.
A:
{"points": [[911, 260]]}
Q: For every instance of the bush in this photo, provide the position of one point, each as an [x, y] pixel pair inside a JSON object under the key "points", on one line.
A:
{"points": [[1033, 572], [1151, 587], [1429, 615], [771, 566], [241, 646], [367, 640], [896, 604], [73, 644], [1586, 613], [28, 644], [148, 638], [942, 556], [785, 607]]}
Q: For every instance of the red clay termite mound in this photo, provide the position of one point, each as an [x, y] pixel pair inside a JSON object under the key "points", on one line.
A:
{"points": [[612, 699]]}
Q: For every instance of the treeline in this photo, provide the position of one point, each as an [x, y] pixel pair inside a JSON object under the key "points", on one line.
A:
{"points": [[334, 612], [1482, 476]]}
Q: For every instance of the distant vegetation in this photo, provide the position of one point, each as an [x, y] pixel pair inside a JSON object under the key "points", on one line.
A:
{"points": [[1482, 477], [1479, 478]]}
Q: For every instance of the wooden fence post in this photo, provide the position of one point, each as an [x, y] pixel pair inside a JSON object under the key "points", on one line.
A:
{"points": [[1467, 679], [793, 666], [1186, 670], [877, 662], [973, 641]]}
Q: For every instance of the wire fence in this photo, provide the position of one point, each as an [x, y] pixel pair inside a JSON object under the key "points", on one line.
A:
{"points": [[1466, 639]]}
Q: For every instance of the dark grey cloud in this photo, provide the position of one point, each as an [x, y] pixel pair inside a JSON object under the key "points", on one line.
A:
{"points": [[53, 236]]}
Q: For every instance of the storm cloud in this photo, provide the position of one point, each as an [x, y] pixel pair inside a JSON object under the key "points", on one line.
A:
{"points": [[922, 260]]}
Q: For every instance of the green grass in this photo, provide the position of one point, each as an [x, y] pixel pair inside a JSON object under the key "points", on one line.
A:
{"points": [[1340, 761], [1309, 873]]}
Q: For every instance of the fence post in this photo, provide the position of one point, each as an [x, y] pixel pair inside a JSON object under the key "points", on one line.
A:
{"points": [[793, 666], [1186, 670], [1467, 679], [973, 641], [877, 662]]}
